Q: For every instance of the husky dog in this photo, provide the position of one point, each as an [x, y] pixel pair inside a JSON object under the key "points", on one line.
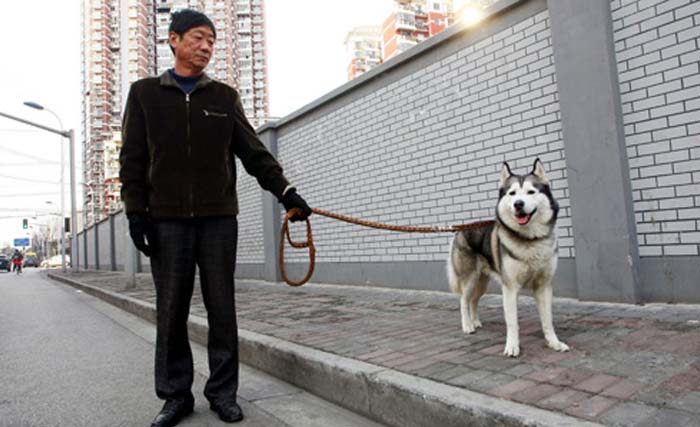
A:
{"points": [[519, 251]]}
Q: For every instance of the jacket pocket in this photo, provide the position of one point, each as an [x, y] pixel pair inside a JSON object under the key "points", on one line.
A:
{"points": [[211, 113], [216, 112], [214, 124]]}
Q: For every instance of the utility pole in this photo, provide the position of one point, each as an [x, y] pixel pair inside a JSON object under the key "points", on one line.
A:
{"points": [[66, 134]]}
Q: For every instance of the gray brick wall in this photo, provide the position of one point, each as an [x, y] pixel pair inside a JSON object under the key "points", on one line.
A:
{"points": [[250, 222], [427, 149], [90, 248], [104, 244], [658, 55], [420, 141]]}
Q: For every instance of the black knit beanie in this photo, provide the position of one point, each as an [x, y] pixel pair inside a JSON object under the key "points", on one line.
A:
{"points": [[184, 19]]}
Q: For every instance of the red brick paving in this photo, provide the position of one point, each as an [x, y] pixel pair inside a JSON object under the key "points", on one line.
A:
{"points": [[564, 399], [535, 394], [512, 388], [376, 353], [591, 408], [494, 349], [412, 360], [546, 374], [450, 355], [418, 333], [624, 389], [570, 377], [684, 344], [686, 381], [596, 383], [556, 357]]}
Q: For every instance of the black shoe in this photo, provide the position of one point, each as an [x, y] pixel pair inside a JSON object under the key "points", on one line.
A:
{"points": [[173, 411], [228, 411]]}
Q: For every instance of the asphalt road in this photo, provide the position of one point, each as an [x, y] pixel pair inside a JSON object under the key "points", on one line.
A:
{"points": [[68, 359]]}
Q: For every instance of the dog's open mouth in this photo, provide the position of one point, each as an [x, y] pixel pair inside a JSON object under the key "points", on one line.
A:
{"points": [[523, 218]]}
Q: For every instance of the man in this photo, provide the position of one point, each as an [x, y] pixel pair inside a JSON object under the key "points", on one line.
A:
{"points": [[181, 131]]}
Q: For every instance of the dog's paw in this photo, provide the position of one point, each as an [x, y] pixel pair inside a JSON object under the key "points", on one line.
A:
{"points": [[557, 345], [468, 328], [477, 324], [511, 350]]}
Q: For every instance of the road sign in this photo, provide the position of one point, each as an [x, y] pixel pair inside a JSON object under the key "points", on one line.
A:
{"points": [[22, 242]]}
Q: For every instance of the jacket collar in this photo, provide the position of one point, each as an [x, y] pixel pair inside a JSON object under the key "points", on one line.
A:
{"points": [[167, 80]]}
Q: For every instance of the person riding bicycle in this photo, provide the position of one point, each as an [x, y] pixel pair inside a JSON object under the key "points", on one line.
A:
{"points": [[17, 258]]}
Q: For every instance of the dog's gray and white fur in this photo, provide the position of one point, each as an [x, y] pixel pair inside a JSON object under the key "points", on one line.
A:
{"points": [[519, 251]]}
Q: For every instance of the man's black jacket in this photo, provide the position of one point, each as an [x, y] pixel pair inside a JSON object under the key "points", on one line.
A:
{"points": [[177, 157]]}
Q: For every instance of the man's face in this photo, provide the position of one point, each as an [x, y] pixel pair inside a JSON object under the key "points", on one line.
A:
{"points": [[194, 49]]}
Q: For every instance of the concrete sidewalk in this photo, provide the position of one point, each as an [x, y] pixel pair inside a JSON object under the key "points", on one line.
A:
{"points": [[400, 356]]}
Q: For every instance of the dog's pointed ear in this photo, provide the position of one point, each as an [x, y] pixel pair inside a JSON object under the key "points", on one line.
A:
{"points": [[505, 174], [538, 170]]}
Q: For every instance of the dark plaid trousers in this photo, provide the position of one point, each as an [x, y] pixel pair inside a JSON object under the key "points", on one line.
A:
{"points": [[210, 244]]}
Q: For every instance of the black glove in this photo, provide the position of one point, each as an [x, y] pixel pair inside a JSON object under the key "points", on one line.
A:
{"points": [[141, 229], [292, 200]]}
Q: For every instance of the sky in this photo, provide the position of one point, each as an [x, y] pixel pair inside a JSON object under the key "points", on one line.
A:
{"points": [[41, 63]]}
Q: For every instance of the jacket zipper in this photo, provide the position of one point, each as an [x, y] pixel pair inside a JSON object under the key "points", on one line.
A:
{"points": [[189, 150]]}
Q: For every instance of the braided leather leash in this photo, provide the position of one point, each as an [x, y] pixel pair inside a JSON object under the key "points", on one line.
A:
{"points": [[312, 250]]}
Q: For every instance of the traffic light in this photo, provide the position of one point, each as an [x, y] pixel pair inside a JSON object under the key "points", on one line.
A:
{"points": [[66, 224], [25, 223]]}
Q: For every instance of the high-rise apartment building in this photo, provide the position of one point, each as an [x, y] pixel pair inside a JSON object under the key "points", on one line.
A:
{"points": [[103, 54], [364, 49], [410, 22], [251, 58], [239, 54], [128, 40], [413, 21]]}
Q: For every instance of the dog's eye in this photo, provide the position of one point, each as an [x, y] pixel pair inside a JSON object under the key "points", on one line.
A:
{"points": [[511, 193], [531, 192]]}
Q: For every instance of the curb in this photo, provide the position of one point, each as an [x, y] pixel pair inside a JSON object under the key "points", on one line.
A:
{"points": [[383, 394]]}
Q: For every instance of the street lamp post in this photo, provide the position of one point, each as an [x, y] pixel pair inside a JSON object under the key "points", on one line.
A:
{"points": [[71, 138], [63, 188]]}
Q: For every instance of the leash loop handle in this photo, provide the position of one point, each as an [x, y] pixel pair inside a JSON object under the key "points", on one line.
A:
{"points": [[299, 245]]}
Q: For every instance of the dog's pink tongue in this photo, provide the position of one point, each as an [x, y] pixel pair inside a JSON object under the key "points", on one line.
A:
{"points": [[522, 220]]}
